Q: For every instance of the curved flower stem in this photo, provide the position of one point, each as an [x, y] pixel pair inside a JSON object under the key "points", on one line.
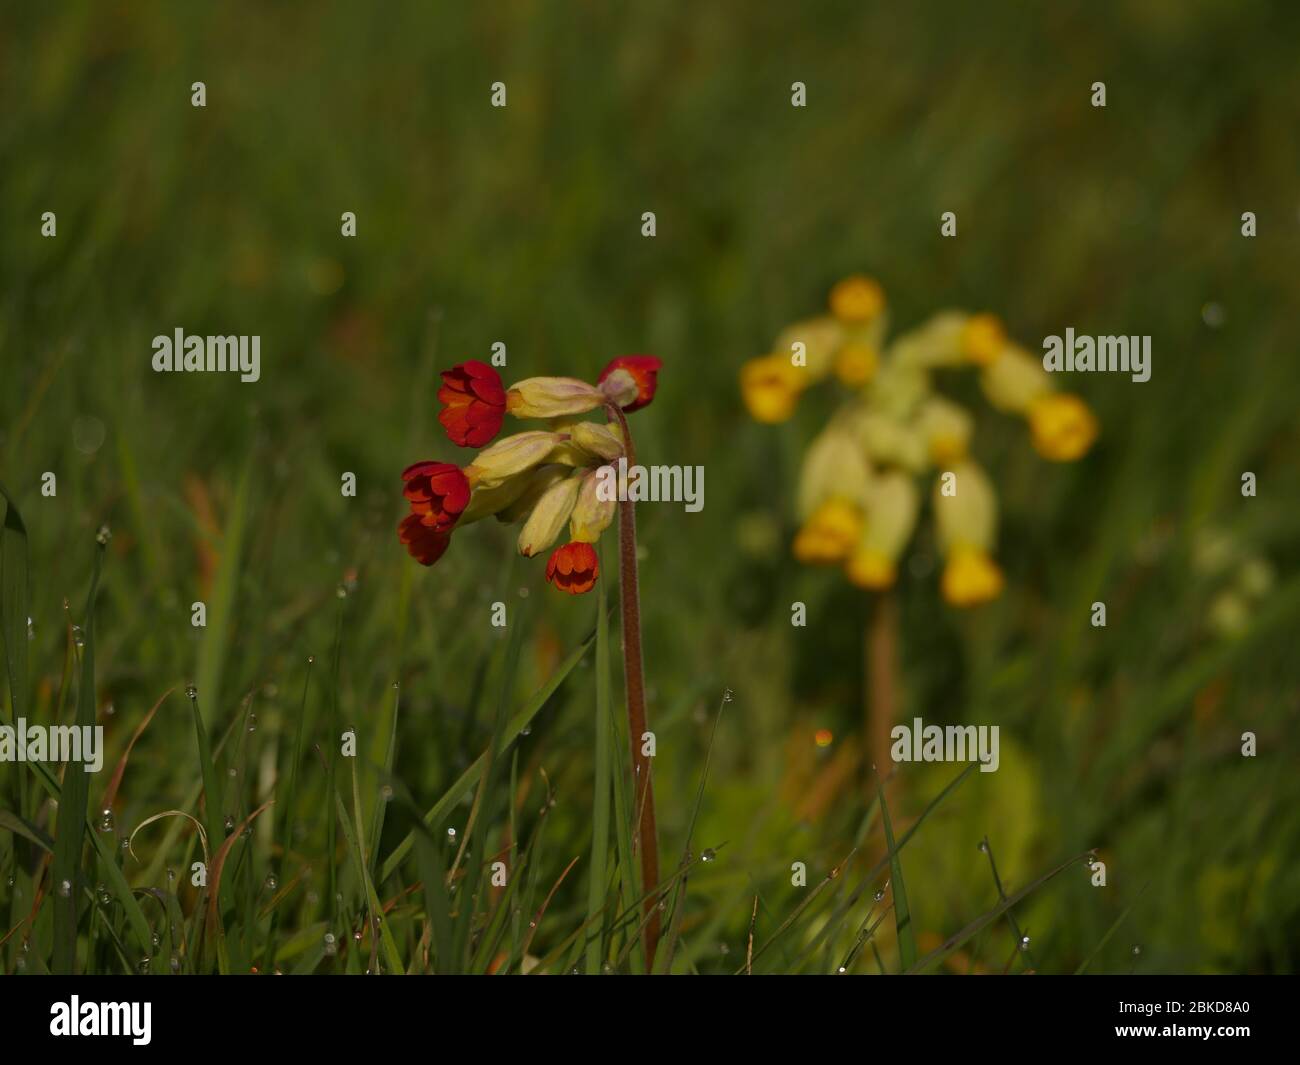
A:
{"points": [[634, 675], [881, 660]]}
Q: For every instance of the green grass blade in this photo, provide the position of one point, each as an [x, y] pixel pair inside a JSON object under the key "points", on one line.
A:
{"points": [[68, 841], [1109, 932], [597, 885], [902, 915]]}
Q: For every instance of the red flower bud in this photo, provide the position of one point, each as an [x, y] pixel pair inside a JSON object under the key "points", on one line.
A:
{"points": [[473, 403], [423, 543], [573, 568], [641, 370], [438, 492]]}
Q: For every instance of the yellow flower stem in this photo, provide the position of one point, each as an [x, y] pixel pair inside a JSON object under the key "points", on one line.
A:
{"points": [[646, 836]]}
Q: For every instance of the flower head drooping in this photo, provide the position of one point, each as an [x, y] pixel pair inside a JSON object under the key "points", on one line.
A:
{"points": [[857, 497], [544, 478], [473, 403], [631, 380], [438, 493], [573, 568]]}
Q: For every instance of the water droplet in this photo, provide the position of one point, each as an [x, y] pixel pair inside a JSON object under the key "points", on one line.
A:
{"points": [[231, 772], [331, 947], [842, 969], [527, 730], [357, 935], [191, 692], [175, 962], [229, 824], [252, 722], [103, 535], [271, 882], [1024, 942], [341, 591], [451, 834], [708, 855], [143, 967], [106, 821], [31, 630], [607, 969], [311, 660], [124, 843], [171, 876], [879, 895], [1136, 950], [78, 637], [984, 846], [575, 971], [9, 881], [157, 940], [727, 695], [386, 793], [65, 888]]}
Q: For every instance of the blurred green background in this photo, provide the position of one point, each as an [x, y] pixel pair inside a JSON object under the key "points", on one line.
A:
{"points": [[522, 225]]}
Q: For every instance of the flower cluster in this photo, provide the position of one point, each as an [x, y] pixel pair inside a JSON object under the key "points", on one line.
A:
{"points": [[543, 478], [858, 500]]}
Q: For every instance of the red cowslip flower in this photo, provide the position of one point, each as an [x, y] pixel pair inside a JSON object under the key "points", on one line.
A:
{"points": [[643, 370], [423, 543], [438, 492], [473, 403], [573, 568]]}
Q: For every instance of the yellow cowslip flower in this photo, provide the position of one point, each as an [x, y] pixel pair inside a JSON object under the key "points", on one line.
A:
{"points": [[965, 508], [549, 515], [937, 342], [857, 299], [833, 466], [856, 363], [770, 387], [1062, 426], [1014, 381], [890, 441], [592, 513], [892, 508], [831, 533], [970, 577], [511, 455], [947, 429], [983, 339], [810, 345]]}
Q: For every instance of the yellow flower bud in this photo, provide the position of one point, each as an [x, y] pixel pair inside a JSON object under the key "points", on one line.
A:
{"points": [[965, 508], [591, 514], [830, 534], [510, 456], [600, 441], [552, 397], [971, 577], [857, 299], [983, 339], [946, 428], [549, 515], [1062, 427], [856, 363], [770, 387], [1014, 381], [833, 465]]}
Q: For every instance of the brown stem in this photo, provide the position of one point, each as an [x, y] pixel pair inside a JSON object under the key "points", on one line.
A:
{"points": [[646, 839], [881, 654]]}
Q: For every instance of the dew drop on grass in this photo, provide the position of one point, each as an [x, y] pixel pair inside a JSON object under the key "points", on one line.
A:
{"points": [[229, 824], [191, 692], [124, 843], [879, 895], [31, 630], [451, 834], [171, 876], [1136, 950], [842, 969], [708, 855], [984, 846], [65, 888], [1024, 942], [727, 695], [103, 535], [331, 946], [157, 941], [143, 966], [106, 821], [271, 882], [252, 722], [174, 963], [78, 637]]}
